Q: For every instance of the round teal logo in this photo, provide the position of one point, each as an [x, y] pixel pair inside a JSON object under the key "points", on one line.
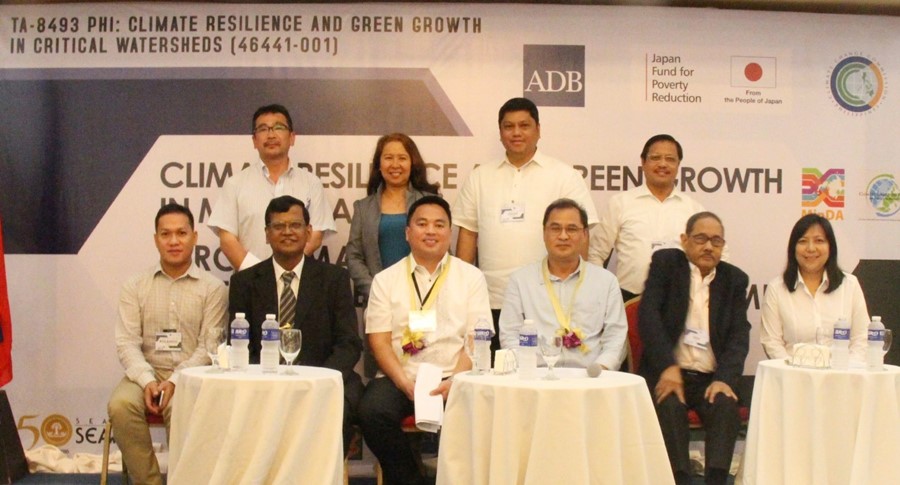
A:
{"points": [[883, 193]]}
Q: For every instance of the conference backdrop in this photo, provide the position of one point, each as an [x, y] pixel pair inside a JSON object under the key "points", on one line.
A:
{"points": [[111, 110]]}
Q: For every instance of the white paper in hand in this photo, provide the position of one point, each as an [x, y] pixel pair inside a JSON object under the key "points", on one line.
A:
{"points": [[429, 409]]}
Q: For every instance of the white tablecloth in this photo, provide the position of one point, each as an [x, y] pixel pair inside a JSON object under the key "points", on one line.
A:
{"points": [[822, 426], [250, 427], [504, 430]]}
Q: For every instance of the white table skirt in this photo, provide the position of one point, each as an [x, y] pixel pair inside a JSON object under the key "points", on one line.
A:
{"points": [[255, 428], [504, 430], [822, 426]]}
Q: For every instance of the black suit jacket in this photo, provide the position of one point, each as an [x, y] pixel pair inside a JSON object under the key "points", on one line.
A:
{"points": [[664, 308], [325, 313]]}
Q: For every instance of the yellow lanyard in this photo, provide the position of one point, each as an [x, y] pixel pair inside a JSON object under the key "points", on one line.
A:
{"points": [[563, 317], [432, 294]]}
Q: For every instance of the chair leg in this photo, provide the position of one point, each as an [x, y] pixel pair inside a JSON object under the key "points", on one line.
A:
{"points": [[104, 472], [379, 478]]}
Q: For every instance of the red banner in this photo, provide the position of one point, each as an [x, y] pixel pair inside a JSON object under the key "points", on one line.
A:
{"points": [[5, 321]]}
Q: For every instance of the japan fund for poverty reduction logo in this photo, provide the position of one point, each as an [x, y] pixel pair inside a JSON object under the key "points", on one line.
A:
{"points": [[857, 84], [553, 75]]}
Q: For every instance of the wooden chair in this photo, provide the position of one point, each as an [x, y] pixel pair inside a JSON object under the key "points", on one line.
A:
{"points": [[153, 420], [636, 350]]}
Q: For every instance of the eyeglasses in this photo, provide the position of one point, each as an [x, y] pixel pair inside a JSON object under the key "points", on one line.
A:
{"points": [[701, 239], [556, 229], [284, 226], [670, 160], [278, 128]]}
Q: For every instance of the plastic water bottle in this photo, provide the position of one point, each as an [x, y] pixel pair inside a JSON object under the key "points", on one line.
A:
{"points": [[271, 339], [840, 345], [875, 354], [240, 342], [528, 348], [484, 330]]}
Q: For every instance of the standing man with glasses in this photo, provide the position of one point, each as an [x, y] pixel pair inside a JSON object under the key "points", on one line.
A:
{"points": [[693, 324], [566, 296], [303, 293], [238, 216], [646, 218]]}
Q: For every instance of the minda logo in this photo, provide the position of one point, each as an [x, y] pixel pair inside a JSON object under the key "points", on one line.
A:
{"points": [[553, 75], [857, 84], [823, 189]]}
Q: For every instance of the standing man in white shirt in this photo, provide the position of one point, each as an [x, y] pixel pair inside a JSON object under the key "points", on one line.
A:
{"points": [[238, 218], [500, 206], [164, 314], [638, 222]]}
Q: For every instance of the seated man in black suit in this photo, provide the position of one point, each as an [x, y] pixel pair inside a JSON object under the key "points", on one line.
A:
{"points": [[693, 323], [318, 300]]}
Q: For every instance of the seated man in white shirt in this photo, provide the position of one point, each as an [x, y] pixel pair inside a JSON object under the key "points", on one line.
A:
{"points": [[420, 310], [568, 297], [164, 314]]}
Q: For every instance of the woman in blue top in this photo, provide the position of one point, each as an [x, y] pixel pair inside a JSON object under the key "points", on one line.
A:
{"points": [[378, 228]]}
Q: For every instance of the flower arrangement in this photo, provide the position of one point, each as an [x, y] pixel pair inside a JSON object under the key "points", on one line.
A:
{"points": [[573, 338], [412, 342]]}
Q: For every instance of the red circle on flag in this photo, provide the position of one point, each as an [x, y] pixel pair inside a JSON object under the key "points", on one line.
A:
{"points": [[753, 72]]}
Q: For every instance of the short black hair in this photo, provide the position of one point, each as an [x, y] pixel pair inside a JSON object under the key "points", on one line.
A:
{"points": [[283, 204], [701, 215], [566, 204], [272, 108], [173, 208], [658, 138], [428, 200], [835, 275], [519, 104]]}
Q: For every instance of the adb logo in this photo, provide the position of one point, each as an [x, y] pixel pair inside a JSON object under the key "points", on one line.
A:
{"points": [[553, 75], [857, 84]]}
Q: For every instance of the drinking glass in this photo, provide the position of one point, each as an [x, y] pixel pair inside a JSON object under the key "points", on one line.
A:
{"points": [[291, 341], [551, 349], [469, 346], [214, 338], [888, 339]]}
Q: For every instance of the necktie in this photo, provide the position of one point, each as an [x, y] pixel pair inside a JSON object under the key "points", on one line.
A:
{"points": [[287, 306]]}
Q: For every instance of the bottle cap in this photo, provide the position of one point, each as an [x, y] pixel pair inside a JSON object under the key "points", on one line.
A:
{"points": [[270, 316], [240, 315]]}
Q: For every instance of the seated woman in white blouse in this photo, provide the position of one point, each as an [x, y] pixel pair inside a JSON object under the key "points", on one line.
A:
{"points": [[812, 294]]}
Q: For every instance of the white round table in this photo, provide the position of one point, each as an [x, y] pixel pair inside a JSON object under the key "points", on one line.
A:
{"points": [[505, 430], [823, 426], [250, 427]]}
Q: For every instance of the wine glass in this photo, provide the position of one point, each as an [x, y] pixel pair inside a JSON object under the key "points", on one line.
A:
{"points": [[214, 338], [551, 349], [291, 341], [469, 345]]}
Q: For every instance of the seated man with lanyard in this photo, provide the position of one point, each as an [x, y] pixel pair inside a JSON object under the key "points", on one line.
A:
{"points": [[420, 310]]}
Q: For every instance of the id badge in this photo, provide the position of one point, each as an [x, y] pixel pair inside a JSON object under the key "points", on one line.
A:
{"points": [[657, 245], [696, 338], [168, 341], [512, 212], [423, 321]]}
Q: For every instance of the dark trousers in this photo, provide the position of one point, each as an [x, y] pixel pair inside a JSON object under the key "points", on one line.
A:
{"points": [[495, 340], [627, 295], [353, 391], [381, 411], [721, 423]]}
